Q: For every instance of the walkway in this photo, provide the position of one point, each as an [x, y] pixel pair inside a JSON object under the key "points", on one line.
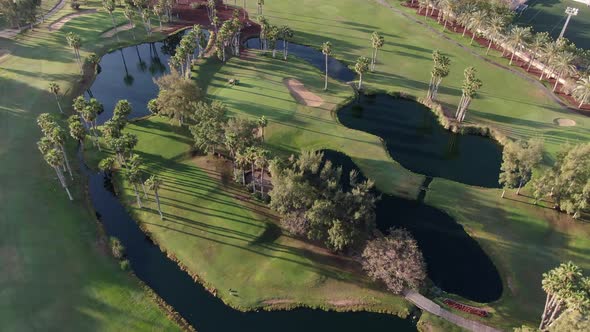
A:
{"points": [[532, 80], [433, 308], [11, 33]]}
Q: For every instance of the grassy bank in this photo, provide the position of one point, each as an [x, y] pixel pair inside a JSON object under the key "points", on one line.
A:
{"points": [[57, 273]]}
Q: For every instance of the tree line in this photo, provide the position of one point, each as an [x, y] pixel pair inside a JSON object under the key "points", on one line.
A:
{"points": [[559, 59]]}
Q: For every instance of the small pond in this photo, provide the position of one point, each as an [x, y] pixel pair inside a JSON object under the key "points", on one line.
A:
{"points": [[416, 140], [129, 73], [336, 69], [455, 262], [201, 309]]}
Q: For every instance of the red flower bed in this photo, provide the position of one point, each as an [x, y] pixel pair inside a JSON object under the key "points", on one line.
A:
{"points": [[466, 308]]}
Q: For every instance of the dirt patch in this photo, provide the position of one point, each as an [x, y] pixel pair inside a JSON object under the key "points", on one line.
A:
{"points": [[65, 19], [114, 31], [563, 122], [346, 303], [301, 94]]}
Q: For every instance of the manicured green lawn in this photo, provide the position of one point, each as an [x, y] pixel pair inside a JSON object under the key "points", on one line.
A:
{"points": [[56, 275], [231, 242], [549, 15]]}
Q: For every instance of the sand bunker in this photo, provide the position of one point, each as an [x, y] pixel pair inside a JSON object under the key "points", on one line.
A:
{"points": [[114, 31], [563, 122], [301, 94], [60, 22]]}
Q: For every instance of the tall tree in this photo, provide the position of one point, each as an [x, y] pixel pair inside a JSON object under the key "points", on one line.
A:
{"points": [[396, 260], [377, 42], [495, 30], [272, 37], [109, 6], [518, 160], [55, 89], [563, 66], [286, 35], [540, 39], [477, 21], [75, 42], [77, 129], [326, 51], [471, 85], [55, 159], [154, 183], [259, 4], [582, 90], [440, 70], [517, 39], [176, 96], [208, 130], [129, 15], [361, 66], [132, 174], [261, 162], [262, 123], [550, 52]]}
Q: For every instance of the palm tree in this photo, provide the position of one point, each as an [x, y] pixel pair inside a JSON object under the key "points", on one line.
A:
{"points": [[582, 90], [241, 160], [471, 85], [448, 9], [477, 21], [494, 30], [261, 161], [463, 19], [109, 6], [129, 14], [77, 129], [560, 284], [517, 39], [154, 183], [550, 52], [539, 41], [75, 42], [326, 51], [441, 70], [58, 137], [132, 175], [377, 42], [55, 160], [286, 34], [244, 6], [260, 3], [563, 66], [361, 66], [251, 155], [262, 123], [54, 88]]}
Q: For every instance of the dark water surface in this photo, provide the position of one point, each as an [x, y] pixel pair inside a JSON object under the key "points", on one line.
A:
{"points": [[201, 309], [129, 73], [455, 262], [416, 140], [336, 69]]}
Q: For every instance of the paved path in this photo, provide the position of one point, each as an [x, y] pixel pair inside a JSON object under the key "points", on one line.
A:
{"points": [[532, 80], [11, 33], [433, 308]]}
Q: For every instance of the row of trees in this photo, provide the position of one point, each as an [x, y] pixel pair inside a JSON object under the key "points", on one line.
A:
{"points": [[271, 34], [185, 51], [17, 12], [492, 20]]}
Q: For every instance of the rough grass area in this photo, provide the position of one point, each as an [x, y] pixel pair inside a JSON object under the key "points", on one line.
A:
{"points": [[232, 242], [56, 272]]}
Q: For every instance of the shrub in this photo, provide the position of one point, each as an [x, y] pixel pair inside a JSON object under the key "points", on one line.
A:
{"points": [[75, 4], [125, 265], [117, 247]]}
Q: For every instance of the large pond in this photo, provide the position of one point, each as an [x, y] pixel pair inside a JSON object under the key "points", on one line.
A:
{"points": [[455, 262], [201, 309], [336, 69], [416, 140], [129, 73]]}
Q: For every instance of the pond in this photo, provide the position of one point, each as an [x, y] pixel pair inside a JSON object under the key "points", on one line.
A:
{"points": [[336, 69], [201, 309], [129, 73], [418, 142], [455, 262]]}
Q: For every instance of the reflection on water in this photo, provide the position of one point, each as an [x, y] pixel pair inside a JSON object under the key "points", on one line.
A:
{"points": [[416, 140], [455, 262]]}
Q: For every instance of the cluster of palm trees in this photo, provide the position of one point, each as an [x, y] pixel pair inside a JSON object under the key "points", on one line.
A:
{"points": [[471, 85], [185, 51], [52, 147], [555, 58], [440, 70], [228, 37], [568, 290], [253, 157], [270, 34]]}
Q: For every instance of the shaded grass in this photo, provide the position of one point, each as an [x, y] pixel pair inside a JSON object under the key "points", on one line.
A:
{"points": [[232, 242], [56, 273]]}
